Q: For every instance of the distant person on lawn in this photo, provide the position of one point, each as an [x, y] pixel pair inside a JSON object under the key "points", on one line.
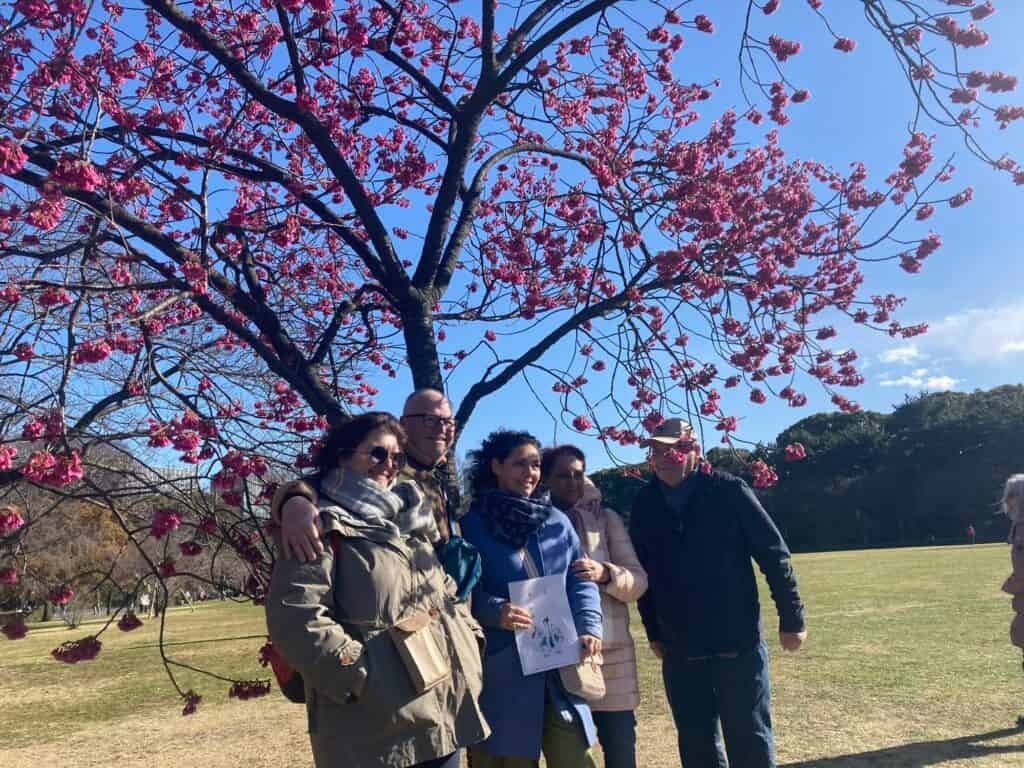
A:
{"points": [[1013, 506], [695, 534]]}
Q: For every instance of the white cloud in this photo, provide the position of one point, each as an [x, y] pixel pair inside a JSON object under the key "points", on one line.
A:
{"points": [[978, 335], [939, 383], [919, 372], [928, 383], [906, 355]]}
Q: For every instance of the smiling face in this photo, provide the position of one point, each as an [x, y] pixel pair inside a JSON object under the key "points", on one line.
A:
{"points": [[429, 425], [378, 457], [519, 473], [672, 462], [565, 481]]}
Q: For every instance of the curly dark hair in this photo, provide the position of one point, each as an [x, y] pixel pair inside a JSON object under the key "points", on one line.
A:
{"points": [[343, 438], [550, 456], [497, 445]]}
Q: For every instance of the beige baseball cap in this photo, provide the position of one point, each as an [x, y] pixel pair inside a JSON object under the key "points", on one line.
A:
{"points": [[669, 432]]}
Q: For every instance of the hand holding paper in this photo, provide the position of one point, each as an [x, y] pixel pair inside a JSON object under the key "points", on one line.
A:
{"points": [[550, 641], [515, 617]]}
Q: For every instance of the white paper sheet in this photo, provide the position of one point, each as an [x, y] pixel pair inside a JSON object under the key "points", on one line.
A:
{"points": [[552, 641]]}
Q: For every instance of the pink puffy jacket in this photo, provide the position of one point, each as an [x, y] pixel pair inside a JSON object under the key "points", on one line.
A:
{"points": [[604, 538], [1014, 585]]}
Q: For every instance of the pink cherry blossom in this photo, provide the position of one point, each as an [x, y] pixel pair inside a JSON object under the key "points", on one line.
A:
{"points": [[795, 452], [763, 476], [14, 630], [12, 158], [62, 594], [164, 521], [10, 521]]}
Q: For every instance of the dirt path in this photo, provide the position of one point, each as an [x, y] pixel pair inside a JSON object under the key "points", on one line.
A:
{"points": [[226, 736]]}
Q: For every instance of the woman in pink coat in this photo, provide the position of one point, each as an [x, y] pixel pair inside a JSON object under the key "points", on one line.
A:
{"points": [[610, 560], [1013, 506]]}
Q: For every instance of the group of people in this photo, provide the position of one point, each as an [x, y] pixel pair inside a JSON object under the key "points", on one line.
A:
{"points": [[407, 659]]}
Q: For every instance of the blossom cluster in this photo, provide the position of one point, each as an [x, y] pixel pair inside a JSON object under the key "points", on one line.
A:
{"points": [[62, 594], [164, 521], [249, 689], [192, 701], [74, 651], [14, 630], [129, 621], [54, 469], [762, 474], [10, 521]]}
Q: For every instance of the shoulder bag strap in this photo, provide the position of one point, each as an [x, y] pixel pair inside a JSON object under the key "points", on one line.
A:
{"points": [[531, 567]]}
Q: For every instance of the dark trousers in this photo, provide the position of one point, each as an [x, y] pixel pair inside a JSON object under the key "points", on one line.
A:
{"points": [[452, 761], [733, 691], [616, 732]]}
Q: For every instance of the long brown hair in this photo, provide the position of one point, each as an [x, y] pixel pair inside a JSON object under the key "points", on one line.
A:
{"points": [[342, 439]]}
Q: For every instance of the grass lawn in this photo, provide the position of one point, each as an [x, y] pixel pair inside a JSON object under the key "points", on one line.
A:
{"points": [[908, 664]]}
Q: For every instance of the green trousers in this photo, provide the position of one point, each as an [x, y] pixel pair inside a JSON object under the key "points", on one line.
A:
{"points": [[563, 744]]}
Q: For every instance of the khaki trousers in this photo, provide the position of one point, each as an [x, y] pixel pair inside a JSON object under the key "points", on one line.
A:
{"points": [[563, 745]]}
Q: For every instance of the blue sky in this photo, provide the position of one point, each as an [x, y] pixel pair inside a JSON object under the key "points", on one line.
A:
{"points": [[970, 291]]}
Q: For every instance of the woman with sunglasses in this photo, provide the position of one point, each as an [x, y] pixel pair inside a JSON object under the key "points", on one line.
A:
{"points": [[390, 662], [519, 536]]}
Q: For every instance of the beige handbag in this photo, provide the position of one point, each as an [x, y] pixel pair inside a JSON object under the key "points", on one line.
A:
{"points": [[584, 679], [418, 648]]}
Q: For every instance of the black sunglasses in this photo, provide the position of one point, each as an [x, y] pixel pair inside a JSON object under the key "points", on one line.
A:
{"points": [[379, 455]]}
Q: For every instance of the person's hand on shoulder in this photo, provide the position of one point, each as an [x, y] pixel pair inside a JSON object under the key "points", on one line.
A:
{"points": [[301, 530]]}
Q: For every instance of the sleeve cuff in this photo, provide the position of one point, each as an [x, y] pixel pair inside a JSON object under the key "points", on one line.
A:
{"points": [[342, 675]]}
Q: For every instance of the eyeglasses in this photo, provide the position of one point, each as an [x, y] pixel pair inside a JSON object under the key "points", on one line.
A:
{"points": [[379, 455], [432, 421]]}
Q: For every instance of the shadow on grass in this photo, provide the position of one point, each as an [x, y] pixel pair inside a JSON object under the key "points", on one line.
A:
{"points": [[921, 753]]}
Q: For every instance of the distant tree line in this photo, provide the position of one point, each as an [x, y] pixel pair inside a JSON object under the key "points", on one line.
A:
{"points": [[919, 475]]}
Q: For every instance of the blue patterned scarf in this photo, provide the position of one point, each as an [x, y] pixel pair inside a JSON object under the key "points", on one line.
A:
{"points": [[512, 518]]}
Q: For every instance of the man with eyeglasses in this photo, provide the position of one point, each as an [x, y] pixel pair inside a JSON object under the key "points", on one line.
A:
{"points": [[430, 427]]}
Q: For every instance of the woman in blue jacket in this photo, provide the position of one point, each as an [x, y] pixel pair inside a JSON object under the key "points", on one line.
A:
{"points": [[535, 713]]}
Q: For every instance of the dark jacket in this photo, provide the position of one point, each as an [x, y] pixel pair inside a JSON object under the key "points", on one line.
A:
{"points": [[702, 594]]}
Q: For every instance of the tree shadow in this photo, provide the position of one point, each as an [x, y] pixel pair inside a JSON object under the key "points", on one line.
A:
{"points": [[921, 753]]}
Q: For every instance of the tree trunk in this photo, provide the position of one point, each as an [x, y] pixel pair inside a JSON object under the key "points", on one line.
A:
{"points": [[421, 345]]}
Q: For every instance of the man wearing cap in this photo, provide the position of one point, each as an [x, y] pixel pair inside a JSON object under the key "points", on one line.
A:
{"points": [[695, 534]]}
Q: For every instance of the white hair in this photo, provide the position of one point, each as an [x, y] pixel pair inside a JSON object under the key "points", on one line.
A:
{"points": [[1013, 497]]}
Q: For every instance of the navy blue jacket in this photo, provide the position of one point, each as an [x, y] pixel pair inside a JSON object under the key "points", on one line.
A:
{"points": [[702, 594]]}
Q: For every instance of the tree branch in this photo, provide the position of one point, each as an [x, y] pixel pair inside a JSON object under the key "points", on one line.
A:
{"points": [[392, 275]]}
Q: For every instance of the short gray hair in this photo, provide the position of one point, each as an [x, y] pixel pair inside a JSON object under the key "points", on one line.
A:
{"points": [[1013, 496]]}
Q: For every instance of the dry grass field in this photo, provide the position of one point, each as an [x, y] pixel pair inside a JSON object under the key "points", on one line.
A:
{"points": [[908, 665]]}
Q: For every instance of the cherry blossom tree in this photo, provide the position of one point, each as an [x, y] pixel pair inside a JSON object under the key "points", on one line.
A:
{"points": [[225, 223]]}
